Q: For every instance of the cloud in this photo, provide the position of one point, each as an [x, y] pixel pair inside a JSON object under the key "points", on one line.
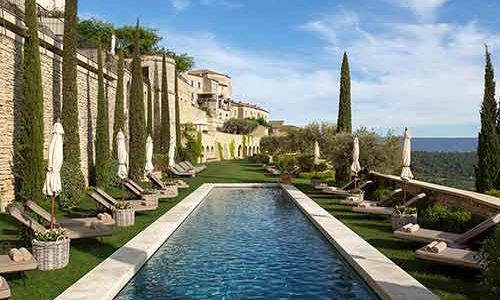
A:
{"points": [[413, 74], [282, 85], [425, 76], [424, 10], [180, 4]]}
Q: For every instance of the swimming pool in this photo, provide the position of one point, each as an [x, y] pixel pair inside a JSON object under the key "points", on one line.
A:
{"points": [[246, 243]]}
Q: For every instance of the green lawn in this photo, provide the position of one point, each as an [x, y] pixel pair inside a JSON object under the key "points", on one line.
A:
{"points": [[449, 283]]}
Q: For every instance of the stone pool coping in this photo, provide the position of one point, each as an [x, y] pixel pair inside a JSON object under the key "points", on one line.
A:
{"points": [[386, 278], [108, 278]]}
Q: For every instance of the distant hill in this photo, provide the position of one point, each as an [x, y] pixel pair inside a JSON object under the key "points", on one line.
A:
{"points": [[444, 144]]}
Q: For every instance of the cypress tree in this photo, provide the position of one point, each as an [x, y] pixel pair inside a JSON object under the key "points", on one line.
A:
{"points": [[178, 140], [488, 149], [119, 122], [102, 127], [165, 111], [344, 122], [29, 143], [156, 111], [69, 86], [149, 124], [137, 139]]}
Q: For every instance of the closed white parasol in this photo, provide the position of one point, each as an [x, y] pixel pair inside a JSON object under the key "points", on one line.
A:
{"points": [[149, 155], [122, 155], [406, 173], [355, 167], [317, 160], [171, 152], [52, 186]]}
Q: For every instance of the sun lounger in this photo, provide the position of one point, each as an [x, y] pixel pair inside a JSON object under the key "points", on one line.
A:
{"points": [[428, 235], [200, 167], [384, 210], [343, 192], [109, 203], [453, 256], [272, 171], [4, 288], [73, 231], [157, 181], [166, 191], [7, 265], [74, 221], [387, 201], [181, 173], [189, 166]]}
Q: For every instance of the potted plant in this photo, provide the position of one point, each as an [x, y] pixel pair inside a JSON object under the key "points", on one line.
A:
{"points": [[51, 249], [402, 216], [123, 214]]}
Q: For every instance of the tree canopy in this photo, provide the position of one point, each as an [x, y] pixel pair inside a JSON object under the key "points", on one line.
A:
{"points": [[96, 31]]}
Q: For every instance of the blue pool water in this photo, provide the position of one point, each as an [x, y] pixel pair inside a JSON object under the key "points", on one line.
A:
{"points": [[246, 244]]}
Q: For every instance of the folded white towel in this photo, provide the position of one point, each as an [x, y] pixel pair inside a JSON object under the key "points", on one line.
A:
{"points": [[414, 228], [15, 255], [439, 247], [429, 247], [26, 254], [406, 228]]}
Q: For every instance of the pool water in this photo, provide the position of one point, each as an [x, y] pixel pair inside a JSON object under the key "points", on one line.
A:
{"points": [[246, 244]]}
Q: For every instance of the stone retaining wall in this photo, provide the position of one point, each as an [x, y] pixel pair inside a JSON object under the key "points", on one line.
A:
{"points": [[11, 81], [477, 203]]}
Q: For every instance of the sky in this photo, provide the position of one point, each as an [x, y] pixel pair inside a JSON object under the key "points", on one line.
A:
{"points": [[414, 63]]}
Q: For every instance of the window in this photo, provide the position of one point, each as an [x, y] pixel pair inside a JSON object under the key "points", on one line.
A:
{"points": [[199, 85]]}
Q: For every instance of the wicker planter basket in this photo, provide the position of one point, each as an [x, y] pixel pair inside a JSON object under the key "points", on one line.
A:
{"points": [[400, 220], [124, 217], [51, 255]]}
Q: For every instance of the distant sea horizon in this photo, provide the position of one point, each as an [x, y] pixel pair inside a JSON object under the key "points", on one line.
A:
{"points": [[444, 144]]}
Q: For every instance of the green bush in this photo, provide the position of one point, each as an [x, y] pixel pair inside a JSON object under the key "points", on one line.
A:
{"points": [[381, 193], [73, 186], [404, 210], [286, 162], [259, 158], [494, 193], [490, 278], [306, 163], [239, 126], [220, 150], [440, 217], [318, 175]]}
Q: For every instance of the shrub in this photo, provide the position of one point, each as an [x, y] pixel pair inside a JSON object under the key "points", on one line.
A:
{"points": [[259, 158], [404, 210], [221, 151], [232, 148], [490, 278], [444, 218], [494, 193], [382, 193], [318, 175], [73, 186], [286, 162], [239, 126]]}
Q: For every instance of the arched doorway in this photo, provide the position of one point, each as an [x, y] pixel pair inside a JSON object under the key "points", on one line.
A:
{"points": [[239, 151]]}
